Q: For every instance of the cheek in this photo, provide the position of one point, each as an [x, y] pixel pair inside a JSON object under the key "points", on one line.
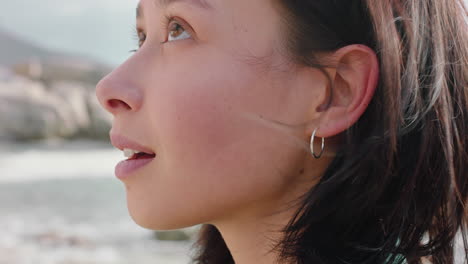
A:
{"points": [[215, 157]]}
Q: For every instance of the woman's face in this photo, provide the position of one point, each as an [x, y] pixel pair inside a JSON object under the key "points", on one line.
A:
{"points": [[204, 93]]}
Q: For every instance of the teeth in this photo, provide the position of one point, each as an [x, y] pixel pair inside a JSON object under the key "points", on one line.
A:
{"points": [[128, 153]]}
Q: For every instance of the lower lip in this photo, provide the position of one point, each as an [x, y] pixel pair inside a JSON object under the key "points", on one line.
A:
{"points": [[126, 168]]}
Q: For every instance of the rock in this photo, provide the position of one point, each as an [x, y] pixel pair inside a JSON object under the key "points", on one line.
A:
{"points": [[101, 120], [27, 111], [30, 110], [177, 235], [47, 94], [75, 96]]}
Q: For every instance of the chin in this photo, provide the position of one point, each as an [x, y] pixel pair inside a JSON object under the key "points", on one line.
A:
{"points": [[159, 221], [154, 223]]}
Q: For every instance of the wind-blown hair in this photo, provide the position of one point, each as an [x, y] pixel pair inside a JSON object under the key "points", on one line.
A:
{"points": [[397, 189]]}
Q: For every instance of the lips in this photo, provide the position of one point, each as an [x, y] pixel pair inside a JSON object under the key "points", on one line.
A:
{"points": [[141, 155], [137, 154], [127, 145]]}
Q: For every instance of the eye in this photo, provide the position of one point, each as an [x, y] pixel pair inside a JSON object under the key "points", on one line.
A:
{"points": [[177, 31], [141, 38]]}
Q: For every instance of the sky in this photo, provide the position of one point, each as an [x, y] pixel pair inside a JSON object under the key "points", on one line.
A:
{"points": [[101, 29]]}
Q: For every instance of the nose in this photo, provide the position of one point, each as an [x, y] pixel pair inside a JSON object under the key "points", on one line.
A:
{"points": [[117, 94]]}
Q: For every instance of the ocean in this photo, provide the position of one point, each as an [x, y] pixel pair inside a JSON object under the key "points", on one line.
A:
{"points": [[61, 204]]}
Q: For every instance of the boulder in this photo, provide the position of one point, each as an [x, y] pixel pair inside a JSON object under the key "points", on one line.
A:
{"points": [[75, 96], [100, 119], [184, 234], [30, 110], [47, 94]]}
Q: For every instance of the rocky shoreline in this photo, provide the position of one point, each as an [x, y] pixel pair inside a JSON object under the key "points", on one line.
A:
{"points": [[41, 100]]}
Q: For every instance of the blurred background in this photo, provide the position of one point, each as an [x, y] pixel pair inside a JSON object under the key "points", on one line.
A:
{"points": [[59, 199]]}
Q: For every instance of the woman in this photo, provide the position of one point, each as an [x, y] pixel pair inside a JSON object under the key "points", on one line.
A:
{"points": [[312, 131]]}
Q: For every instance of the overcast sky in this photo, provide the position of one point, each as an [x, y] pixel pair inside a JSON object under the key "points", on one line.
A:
{"points": [[102, 29]]}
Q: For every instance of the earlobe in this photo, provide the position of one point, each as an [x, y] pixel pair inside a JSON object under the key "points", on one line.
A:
{"points": [[354, 80]]}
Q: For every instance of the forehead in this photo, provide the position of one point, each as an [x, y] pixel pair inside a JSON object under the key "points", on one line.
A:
{"points": [[202, 4], [251, 28]]}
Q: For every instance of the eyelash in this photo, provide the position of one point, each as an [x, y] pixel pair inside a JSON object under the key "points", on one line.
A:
{"points": [[166, 24]]}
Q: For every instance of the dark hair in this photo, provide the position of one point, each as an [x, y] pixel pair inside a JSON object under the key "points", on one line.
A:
{"points": [[396, 190]]}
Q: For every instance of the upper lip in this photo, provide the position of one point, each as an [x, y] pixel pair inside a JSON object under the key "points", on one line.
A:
{"points": [[122, 143]]}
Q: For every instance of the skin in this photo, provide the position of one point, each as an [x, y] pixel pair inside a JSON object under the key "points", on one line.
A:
{"points": [[229, 117]]}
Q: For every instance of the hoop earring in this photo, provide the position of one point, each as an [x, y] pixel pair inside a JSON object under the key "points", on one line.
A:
{"points": [[312, 145]]}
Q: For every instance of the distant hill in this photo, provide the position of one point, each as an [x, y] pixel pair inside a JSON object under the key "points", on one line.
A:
{"points": [[14, 50], [56, 99], [19, 54]]}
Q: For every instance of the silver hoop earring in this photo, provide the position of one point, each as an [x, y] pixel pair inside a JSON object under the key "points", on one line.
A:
{"points": [[312, 146]]}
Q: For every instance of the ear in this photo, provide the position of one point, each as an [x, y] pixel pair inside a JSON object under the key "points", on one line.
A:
{"points": [[354, 81]]}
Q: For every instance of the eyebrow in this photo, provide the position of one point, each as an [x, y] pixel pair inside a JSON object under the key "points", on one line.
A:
{"points": [[202, 4]]}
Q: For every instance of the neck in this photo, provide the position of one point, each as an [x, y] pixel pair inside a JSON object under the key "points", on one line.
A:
{"points": [[253, 241], [252, 235]]}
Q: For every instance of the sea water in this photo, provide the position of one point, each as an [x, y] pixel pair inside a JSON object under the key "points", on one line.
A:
{"points": [[61, 204]]}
